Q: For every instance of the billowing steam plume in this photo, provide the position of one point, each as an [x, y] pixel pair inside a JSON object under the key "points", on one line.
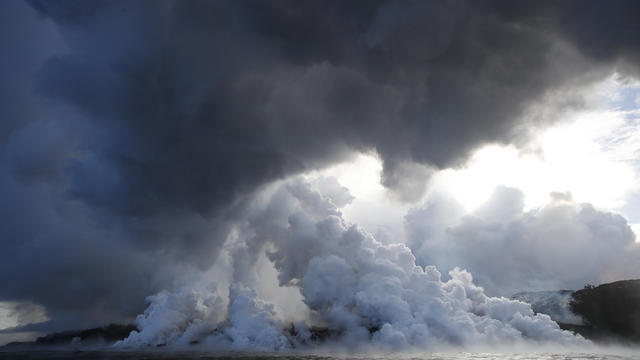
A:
{"points": [[140, 143], [364, 292]]}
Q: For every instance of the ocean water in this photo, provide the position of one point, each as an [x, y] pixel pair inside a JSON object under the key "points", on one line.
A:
{"points": [[127, 355]]}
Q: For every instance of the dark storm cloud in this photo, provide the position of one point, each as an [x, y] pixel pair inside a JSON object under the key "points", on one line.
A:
{"points": [[602, 30], [130, 145]]}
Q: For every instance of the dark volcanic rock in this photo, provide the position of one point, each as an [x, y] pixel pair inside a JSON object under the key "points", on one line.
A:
{"points": [[109, 334], [102, 335], [611, 310]]}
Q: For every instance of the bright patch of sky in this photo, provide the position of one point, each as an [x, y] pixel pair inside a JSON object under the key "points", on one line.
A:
{"points": [[592, 153], [13, 314], [593, 156]]}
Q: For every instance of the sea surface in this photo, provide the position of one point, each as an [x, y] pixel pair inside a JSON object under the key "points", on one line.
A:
{"points": [[129, 355]]}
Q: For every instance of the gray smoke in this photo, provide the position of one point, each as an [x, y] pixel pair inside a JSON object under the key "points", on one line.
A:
{"points": [[135, 134]]}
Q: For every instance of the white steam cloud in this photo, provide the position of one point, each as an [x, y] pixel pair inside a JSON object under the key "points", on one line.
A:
{"points": [[563, 245], [365, 293]]}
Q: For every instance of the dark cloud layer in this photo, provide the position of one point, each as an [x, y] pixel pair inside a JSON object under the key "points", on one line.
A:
{"points": [[132, 132]]}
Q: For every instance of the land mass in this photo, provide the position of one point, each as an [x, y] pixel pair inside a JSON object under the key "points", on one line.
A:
{"points": [[604, 313]]}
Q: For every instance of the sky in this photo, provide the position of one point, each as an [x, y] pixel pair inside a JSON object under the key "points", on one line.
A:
{"points": [[217, 161]]}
